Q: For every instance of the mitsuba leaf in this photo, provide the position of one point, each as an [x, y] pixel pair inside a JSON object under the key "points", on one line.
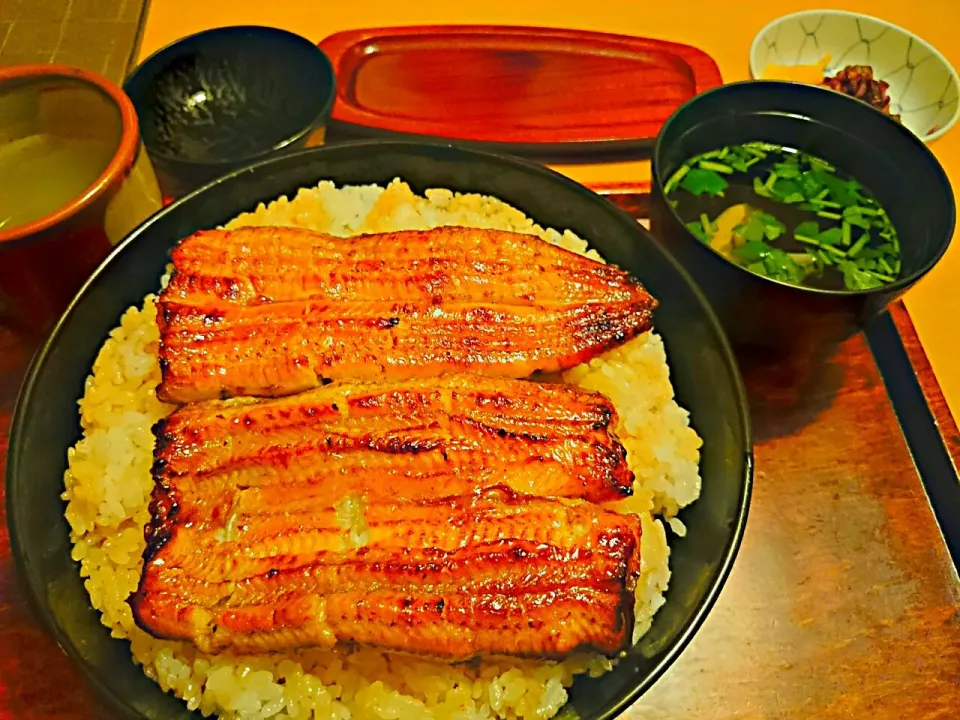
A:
{"points": [[699, 181]]}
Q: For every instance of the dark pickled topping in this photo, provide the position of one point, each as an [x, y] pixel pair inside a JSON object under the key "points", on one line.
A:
{"points": [[858, 81]]}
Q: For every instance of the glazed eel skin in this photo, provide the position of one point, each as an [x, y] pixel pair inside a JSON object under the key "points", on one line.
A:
{"points": [[453, 517], [266, 311]]}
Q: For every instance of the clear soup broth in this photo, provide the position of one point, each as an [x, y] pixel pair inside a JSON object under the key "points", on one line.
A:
{"points": [[41, 173], [787, 215]]}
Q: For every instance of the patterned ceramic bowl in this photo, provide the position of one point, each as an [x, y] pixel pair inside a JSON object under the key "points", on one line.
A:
{"points": [[923, 84]]}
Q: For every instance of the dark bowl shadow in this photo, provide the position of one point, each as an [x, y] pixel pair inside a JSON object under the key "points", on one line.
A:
{"points": [[786, 394]]}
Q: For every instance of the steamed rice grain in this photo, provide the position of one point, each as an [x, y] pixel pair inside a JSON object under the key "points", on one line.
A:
{"points": [[108, 486]]}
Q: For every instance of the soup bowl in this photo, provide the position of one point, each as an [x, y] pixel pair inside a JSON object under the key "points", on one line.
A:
{"points": [[703, 371], [780, 318], [74, 180]]}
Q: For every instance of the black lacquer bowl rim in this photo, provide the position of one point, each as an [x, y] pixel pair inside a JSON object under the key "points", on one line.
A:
{"points": [[28, 395], [322, 71]]}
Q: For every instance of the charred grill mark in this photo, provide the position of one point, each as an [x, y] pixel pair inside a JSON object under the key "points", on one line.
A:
{"points": [[164, 510], [213, 317], [163, 440], [607, 416]]}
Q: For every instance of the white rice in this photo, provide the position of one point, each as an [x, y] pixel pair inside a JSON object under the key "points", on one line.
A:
{"points": [[108, 486]]}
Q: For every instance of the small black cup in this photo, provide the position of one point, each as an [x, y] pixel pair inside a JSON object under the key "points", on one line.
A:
{"points": [[777, 318], [221, 99]]}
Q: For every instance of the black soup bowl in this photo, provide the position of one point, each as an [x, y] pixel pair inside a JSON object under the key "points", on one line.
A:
{"points": [[780, 319], [703, 371], [215, 101]]}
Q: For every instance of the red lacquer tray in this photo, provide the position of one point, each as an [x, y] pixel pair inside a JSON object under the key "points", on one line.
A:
{"points": [[533, 91]]}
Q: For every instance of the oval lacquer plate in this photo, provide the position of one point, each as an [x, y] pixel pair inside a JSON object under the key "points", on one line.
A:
{"points": [[529, 91]]}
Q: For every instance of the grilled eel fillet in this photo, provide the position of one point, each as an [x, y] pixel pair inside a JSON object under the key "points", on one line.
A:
{"points": [[274, 311], [479, 533]]}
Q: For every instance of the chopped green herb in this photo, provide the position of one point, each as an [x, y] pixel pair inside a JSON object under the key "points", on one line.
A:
{"points": [[848, 239], [750, 230], [807, 240], [698, 181], [760, 189], [771, 262], [831, 236], [856, 278], [834, 250], [823, 257], [838, 190], [716, 167], [787, 170], [855, 215], [708, 227], [788, 191], [818, 163], [772, 228], [826, 204], [722, 153], [751, 252], [802, 259], [759, 226], [859, 245], [780, 266], [698, 230], [675, 179], [763, 146]]}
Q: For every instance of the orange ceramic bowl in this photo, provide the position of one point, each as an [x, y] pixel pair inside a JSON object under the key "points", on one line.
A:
{"points": [[87, 131]]}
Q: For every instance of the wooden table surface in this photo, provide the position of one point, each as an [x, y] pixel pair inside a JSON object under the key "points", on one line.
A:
{"points": [[843, 602]]}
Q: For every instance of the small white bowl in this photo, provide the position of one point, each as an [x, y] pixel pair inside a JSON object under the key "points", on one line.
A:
{"points": [[924, 87]]}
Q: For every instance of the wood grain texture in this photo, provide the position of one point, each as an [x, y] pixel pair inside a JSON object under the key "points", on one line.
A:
{"points": [[513, 84], [843, 602]]}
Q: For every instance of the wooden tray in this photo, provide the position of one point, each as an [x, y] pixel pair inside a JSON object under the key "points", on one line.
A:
{"points": [[530, 91], [843, 602]]}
